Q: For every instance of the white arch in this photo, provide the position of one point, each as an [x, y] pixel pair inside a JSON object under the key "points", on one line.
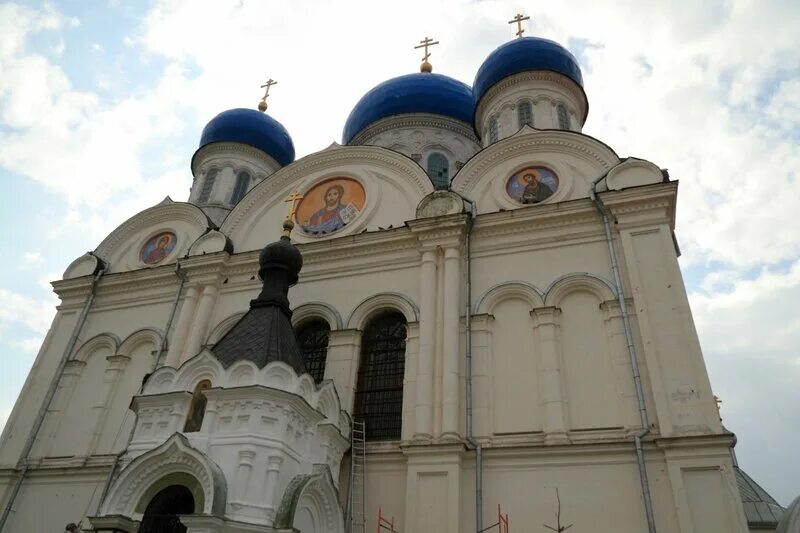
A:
{"points": [[139, 337], [577, 281], [311, 310], [310, 503], [103, 340], [379, 302], [510, 289], [140, 479], [219, 331]]}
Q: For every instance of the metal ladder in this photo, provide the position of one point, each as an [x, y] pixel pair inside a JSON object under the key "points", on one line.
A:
{"points": [[357, 490]]}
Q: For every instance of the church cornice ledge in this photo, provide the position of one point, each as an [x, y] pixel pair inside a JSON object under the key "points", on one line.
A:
{"points": [[264, 193], [227, 149], [560, 80], [567, 142], [176, 211], [413, 120]]}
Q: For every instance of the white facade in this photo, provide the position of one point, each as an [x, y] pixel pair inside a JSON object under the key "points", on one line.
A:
{"points": [[554, 401]]}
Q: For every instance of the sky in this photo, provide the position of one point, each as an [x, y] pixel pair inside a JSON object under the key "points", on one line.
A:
{"points": [[102, 104]]}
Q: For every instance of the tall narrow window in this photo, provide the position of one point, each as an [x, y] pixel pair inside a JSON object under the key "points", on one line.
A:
{"points": [[525, 114], [563, 116], [493, 131], [208, 186], [312, 336], [197, 409], [439, 171], [240, 188], [379, 391]]}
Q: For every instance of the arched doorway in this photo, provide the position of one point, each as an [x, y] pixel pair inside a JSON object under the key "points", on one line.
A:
{"points": [[161, 514]]}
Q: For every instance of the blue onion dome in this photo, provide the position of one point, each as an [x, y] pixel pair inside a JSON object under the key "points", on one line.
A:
{"points": [[251, 127], [421, 92], [521, 55]]}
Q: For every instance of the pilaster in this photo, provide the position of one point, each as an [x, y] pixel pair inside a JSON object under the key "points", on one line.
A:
{"points": [[546, 328]]}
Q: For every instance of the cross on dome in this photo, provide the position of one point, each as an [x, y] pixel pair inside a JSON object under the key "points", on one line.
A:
{"points": [[262, 105], [425, 43], [518, 19]]}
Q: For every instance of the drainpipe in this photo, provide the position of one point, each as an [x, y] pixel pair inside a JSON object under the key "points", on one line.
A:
{"points": [[161, 351], [51, 390], [637, 380], [468, 319]]}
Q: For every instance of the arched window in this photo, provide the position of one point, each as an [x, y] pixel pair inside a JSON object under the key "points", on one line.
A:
{"points": [[439, 171], [379, 391], [312, 336], [525, 114], [208, 185], [197, 409], [161, 514], [494, 134], [240, 188], [563, 116]]}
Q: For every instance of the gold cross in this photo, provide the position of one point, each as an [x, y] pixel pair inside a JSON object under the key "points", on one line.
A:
{"points": [[293, 198], [263, 104], [425, 43], [518, 19]]}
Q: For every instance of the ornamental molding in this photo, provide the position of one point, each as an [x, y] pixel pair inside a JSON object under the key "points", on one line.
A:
{"points": [[413, 120], [263, 193], [566, 142], [563, 82], [223, 150], [161, 213]]}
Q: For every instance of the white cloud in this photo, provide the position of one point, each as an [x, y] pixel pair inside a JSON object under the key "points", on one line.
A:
{"points": [[32, 257], [34, 314]]}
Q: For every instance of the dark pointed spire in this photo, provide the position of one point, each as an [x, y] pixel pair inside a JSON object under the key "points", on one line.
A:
{"points": [[265, 334]]}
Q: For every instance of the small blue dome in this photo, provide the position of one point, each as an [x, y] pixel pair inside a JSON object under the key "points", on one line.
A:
{"points": [[422, 92], [248, 126], [521, 55]]}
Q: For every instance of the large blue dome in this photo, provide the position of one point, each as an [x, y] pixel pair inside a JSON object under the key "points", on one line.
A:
{"points": [[251, 127], [520, 55], [422, 92]]}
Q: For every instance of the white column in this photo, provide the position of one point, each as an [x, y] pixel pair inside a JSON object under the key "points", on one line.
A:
{"points": [[546, 327], [270, 485], [450, 342], [199, 326], [178, 339], [427, 343]]}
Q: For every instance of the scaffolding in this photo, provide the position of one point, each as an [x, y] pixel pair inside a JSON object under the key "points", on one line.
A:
{"points": [[356, 509], [384, 524], [501, 524]]}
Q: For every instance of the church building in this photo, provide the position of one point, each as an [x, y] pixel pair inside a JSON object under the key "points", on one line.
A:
{"points": [[468, 316]]}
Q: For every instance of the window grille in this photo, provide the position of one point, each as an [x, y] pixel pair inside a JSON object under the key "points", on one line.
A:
{"points": [[208, 186], [525, 114], [240, 188], [197, 409], [379, 393], [312, 337], [438, 171], [563, 117], [494, 134]]}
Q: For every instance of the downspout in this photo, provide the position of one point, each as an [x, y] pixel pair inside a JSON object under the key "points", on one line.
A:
{"points": [[637, 380], [161, 351], [51, 390], [468, 319]]}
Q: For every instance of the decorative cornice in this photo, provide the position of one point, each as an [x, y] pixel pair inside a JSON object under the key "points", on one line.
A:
{"points": [[511, 147], [227, 149], [413, 120]]}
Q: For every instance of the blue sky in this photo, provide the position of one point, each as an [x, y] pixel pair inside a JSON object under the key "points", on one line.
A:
{"points": [[102, 103]]}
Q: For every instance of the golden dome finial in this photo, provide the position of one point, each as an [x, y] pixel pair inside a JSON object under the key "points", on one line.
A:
{"points": [[262, 105], [425, 43], [518, 19]]}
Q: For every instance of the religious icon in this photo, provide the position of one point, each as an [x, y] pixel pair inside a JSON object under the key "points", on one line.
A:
{"points": [[532, 185], [158, 247], [331, 205]]}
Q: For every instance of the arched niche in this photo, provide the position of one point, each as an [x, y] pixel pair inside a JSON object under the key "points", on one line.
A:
{"points": [[122, 248], [175, 462], [312, 310], [311, 504], [510, 289], [576, 159], [393, 185]]}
